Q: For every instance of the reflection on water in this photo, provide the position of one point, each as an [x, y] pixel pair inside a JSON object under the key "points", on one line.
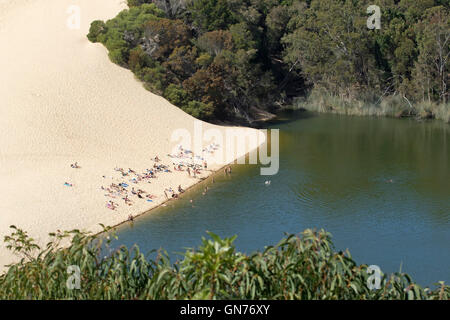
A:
{"points": [[380, 186]]}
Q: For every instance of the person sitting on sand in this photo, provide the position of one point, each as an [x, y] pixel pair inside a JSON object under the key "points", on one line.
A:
{"points": [[75, 165], [127, 200], [180, 189], [111, 205], [157, 159]]}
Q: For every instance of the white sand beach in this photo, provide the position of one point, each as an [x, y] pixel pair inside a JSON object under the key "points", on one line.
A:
{"points": [[63, 101]]}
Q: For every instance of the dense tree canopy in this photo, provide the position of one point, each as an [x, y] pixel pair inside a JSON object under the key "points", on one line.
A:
{"points": [[329, 43], [226, 60]]}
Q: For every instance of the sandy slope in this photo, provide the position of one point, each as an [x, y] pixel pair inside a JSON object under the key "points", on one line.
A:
{"points": [[62, 100]]}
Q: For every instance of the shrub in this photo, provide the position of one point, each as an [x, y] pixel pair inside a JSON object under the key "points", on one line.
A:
{"points": [[298, 267], [176, 95], [97, 28], [200, 110]]}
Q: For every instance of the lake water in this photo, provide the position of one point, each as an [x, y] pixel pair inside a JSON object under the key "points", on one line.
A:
{"points": [[380, 186]]}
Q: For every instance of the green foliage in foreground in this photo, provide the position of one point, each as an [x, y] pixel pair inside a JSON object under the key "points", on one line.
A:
{"points": [[304, 267]]}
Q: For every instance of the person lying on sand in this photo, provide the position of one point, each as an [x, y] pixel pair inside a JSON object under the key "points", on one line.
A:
{"points": [[178, 168]]}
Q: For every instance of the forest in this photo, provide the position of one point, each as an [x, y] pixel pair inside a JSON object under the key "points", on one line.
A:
{"points": [[241, 61]]}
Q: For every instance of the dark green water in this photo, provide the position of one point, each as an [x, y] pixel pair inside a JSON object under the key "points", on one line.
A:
{"points": [[334, 174]]}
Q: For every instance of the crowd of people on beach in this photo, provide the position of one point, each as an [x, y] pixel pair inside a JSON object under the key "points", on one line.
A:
{"points": [[128, 191], [183, 161], [127, 187]]}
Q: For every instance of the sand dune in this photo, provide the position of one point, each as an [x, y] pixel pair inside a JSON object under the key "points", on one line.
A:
{"points": [[61, 101]]}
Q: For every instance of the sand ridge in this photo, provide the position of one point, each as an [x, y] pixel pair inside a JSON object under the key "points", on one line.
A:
{"points": [[61, 101]]}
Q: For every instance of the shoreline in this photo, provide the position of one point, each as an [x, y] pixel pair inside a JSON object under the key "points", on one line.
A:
{"points": [[68, 104], [211, 174], [389, 106]]}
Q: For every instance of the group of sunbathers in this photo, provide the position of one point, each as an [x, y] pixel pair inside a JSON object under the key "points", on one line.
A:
{"points": [[122, 191], [188, 163]]}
